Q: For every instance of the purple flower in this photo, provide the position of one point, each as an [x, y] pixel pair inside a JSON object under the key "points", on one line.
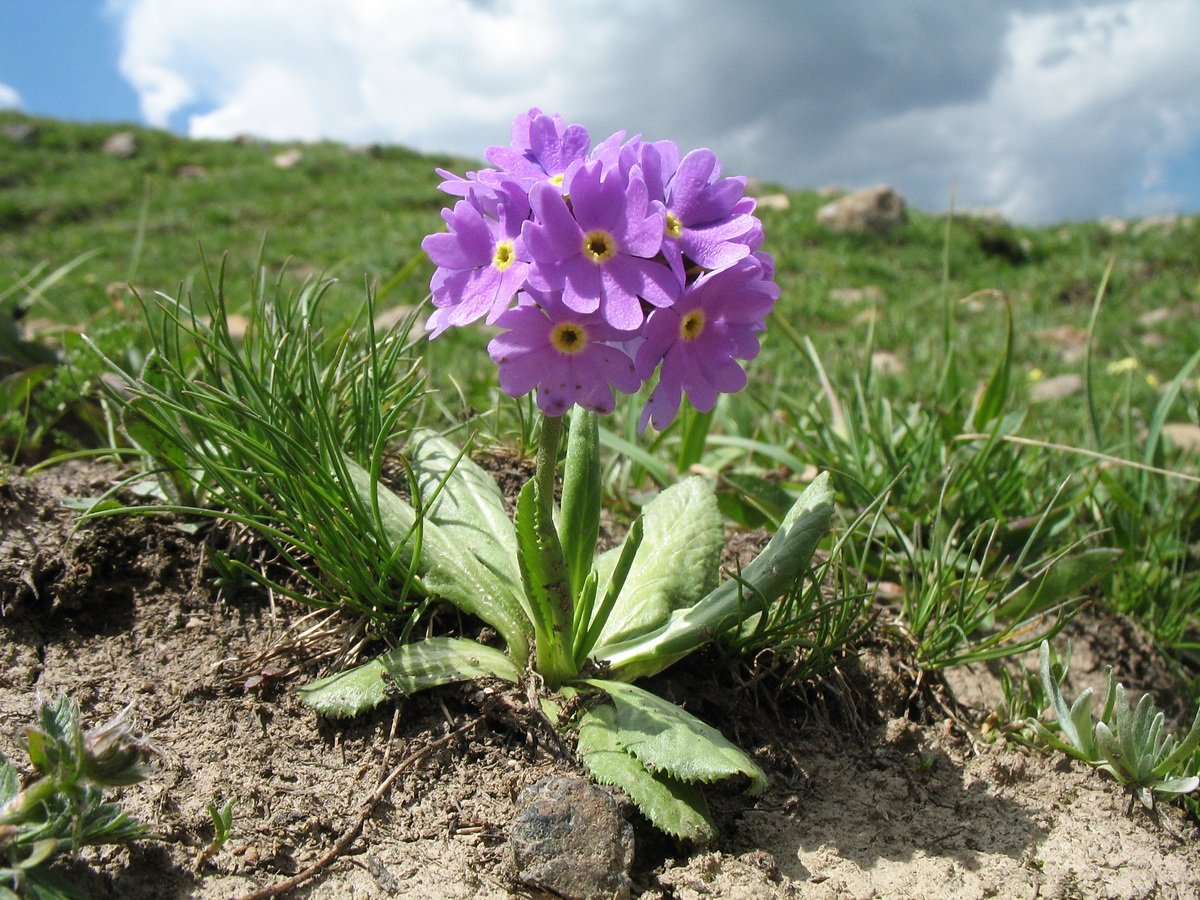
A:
{"points": [[699, 338], [563, 354], [599, 250], [481, 261], [707, 219], [543, 148]]}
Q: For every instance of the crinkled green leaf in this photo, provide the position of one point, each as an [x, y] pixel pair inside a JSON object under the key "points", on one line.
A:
{"points": [[768, 576], [447, 570], [411, 667], [437, 661], [468, 506], [677, 563], [348, 693], [669, 804], [668, 739]]}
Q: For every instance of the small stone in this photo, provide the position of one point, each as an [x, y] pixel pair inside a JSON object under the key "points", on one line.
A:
{"points": [[1157, 316], [288, 158], [848, 296], [191, 170], [1114, 226], [569, 838], [1056, 388], [1163, 224], [886, 363], [1182, 435], [122, 144], [18, 132], [875, 209], [774, 201]]}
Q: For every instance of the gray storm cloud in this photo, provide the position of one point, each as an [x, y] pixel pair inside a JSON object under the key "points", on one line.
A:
{"points": [[1043, 110]]}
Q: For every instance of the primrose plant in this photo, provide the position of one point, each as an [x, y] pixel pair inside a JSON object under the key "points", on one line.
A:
{"points": [[604, 267]]}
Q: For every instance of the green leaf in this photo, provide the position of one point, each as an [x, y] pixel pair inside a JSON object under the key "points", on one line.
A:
{"points": [[991, 402], [547, 585], [671, 806], [769, 575], [468, 507], [667, 738], [446, 569], [579, 520], [752, 501], [1176, 787], [616, 566], [677, 563], [1063, 579], [9, 783], [444, 660], [411, 667], [348, 693]]}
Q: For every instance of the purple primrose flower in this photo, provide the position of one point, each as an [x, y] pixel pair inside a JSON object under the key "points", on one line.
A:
{"points": [[564, 354], [623, 261], [481, 262], [699, 339], [600, 250]]}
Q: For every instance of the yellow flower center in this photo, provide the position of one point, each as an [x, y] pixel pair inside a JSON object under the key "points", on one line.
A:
{"points": [[674, 228], [569, 338], [504, 256], [599, 246], [691, 325], [557, 180]]}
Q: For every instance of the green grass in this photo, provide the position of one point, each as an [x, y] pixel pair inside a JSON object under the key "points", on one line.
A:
{"points": [[951, 516]]}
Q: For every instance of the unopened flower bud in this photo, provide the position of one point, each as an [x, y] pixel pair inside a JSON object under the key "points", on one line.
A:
{"points": [[112, 756]]}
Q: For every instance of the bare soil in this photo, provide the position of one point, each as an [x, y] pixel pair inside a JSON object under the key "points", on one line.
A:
{"points": [[881, 785]]}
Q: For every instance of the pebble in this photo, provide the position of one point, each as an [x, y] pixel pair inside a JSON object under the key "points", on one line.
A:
{"points": [[570, 838]]}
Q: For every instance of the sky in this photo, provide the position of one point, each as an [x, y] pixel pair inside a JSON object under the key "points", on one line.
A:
{"points": [[1045, 110]]}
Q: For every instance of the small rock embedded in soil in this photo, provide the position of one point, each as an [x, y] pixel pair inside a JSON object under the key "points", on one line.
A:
{"points": [[122, 144], [570, 838]]}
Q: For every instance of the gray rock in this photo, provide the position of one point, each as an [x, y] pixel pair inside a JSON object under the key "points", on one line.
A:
{"points": [[122, 144], [876, 209], [1057, 388], [570, 838], [1164, 224], [19, 132]]}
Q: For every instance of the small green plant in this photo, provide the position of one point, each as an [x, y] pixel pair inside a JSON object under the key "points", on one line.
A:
{"points": [[62, 808], [1129, 743], [222, 825], [253, 426]]}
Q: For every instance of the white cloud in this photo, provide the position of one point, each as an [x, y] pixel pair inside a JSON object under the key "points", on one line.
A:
{"points": [[9, 98], [1042, 108]]}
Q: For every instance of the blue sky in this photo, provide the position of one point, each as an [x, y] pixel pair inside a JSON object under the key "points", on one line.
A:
{"points": [[1043, 109]]}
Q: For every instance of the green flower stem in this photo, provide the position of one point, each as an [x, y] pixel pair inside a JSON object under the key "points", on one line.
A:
{"points": [[547, 460], [543, 566]]}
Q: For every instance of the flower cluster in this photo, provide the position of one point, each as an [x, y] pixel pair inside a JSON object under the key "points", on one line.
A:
{"points": [[604, 265]]}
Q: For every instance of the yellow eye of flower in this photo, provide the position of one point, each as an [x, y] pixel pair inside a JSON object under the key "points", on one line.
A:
{"points": [[504, 256], [674, 228], [599, 246], [691, 325], [569, 338]]}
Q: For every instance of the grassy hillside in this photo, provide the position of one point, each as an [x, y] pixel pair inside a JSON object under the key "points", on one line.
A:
{"points": [[927, 302]]}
